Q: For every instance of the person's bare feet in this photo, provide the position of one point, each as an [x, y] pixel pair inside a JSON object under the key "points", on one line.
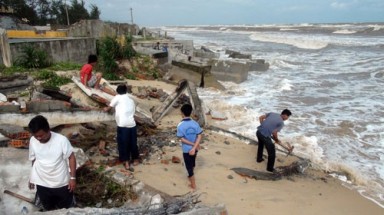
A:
{"points": [[136, 162], [193, 188], [126, 165]]}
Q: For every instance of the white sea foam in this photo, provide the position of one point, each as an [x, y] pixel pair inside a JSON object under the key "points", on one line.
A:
{"points": [[333, 92], [344, 32], [299, 42]]}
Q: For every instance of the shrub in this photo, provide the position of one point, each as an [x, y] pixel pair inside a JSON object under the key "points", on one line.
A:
{"points": [[33, 57]]}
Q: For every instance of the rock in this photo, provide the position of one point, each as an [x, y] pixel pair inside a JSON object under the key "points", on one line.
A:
{"points": [[217, 115], [175, 159]]}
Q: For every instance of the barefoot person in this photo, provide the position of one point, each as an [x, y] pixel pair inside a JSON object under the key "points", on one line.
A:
{"points": [[189, 132], [50, 154], [270, 125], [86, 76], [126, 127]]}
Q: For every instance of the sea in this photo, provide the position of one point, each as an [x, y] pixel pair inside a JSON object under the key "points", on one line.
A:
{"points": [[331, 77]]}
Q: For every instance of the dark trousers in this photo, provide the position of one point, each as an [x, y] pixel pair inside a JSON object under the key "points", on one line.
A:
{"points": [[127, 143], [190, 162], [267, 142], [55, 198]]}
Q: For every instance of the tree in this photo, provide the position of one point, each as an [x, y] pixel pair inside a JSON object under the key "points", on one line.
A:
{"points": [[77, 11], [57, 13], [23, 10], [95, 12]]}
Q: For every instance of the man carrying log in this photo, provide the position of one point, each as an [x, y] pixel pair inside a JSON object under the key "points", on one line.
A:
{"points": [[270, 125]]}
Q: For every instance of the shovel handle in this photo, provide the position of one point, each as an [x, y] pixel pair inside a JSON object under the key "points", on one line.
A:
{"points": [[19, 196]]}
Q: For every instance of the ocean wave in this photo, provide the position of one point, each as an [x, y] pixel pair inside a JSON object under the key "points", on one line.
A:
{"points": [[344, 32], [299, 42]]}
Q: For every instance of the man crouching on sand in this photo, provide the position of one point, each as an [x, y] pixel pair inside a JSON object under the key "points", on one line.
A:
{"points": [[189, 132]]}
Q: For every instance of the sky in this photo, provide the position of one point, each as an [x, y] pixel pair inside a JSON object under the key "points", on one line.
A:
{"points": [[154, 13]]}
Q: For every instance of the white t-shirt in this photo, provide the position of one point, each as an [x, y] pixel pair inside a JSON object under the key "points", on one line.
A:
{"points": [[124, 110], [50, 168]]}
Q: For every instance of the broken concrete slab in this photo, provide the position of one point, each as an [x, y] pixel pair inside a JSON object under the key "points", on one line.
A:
{"points": [[217, 115], [230, 71], [58, 117], [10, 83]]}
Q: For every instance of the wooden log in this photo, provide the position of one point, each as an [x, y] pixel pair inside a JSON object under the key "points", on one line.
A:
{"points": [[297, 167], [161, 110], [258, 175], [56, 94], [196, 104]]}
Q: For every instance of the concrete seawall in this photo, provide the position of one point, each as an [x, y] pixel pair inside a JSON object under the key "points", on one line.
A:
{"points": [[59, 50]]}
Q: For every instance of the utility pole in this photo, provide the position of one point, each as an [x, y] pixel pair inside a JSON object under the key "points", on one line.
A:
{"points": [[131, 15], [66, 11]]}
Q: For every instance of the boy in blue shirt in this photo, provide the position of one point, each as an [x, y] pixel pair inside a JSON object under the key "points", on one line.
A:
{"points": [[189, 132]]}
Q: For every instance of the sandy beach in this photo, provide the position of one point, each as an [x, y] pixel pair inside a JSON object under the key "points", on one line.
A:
{"points": [[314, 192]]}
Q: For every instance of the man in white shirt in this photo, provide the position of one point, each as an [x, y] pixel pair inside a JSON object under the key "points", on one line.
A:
{"points": [[126, 126], [49, 152]]}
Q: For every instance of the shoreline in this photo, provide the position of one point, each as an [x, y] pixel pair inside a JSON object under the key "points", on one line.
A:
{"points": [[318, 184], [313, 193]]}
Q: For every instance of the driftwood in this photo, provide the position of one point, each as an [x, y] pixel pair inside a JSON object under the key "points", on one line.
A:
{"points": [[56, 94], [161, 110], [196, 104], [104, 97], [297, 167], [258, 175]]}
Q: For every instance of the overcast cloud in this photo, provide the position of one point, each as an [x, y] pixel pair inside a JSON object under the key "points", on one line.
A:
{"points": [[209, 12]]}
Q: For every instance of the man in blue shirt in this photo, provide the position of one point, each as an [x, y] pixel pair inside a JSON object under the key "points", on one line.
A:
{"points": [[189, 132], [270, 125]]}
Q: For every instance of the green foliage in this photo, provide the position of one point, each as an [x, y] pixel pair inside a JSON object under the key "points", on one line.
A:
{"points": [[109, 50], [95, 12], [77, 11], [155, 74], [127, 50], [56, 82], [45, 74], [6, 71], [129, 76], [51, 79], [42, 12], [65, 66], [110, 76], [135, 69], [32, 57]]}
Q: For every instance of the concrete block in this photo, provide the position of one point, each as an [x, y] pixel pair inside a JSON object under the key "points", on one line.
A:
{"points": [[230, 71], [9, 108]]}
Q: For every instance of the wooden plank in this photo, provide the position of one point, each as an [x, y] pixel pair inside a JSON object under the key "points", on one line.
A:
{"points": [[196, 104], [141, 116], [161, 110]]}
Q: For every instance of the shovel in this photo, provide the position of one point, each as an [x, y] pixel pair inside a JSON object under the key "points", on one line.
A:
{"points": [[288, 147]]}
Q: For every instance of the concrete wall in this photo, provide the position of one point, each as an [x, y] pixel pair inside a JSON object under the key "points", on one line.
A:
{"points": [[99, 29], [5, 56], [230, 71], [60, 50], [184, 46], [34, 34]]}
